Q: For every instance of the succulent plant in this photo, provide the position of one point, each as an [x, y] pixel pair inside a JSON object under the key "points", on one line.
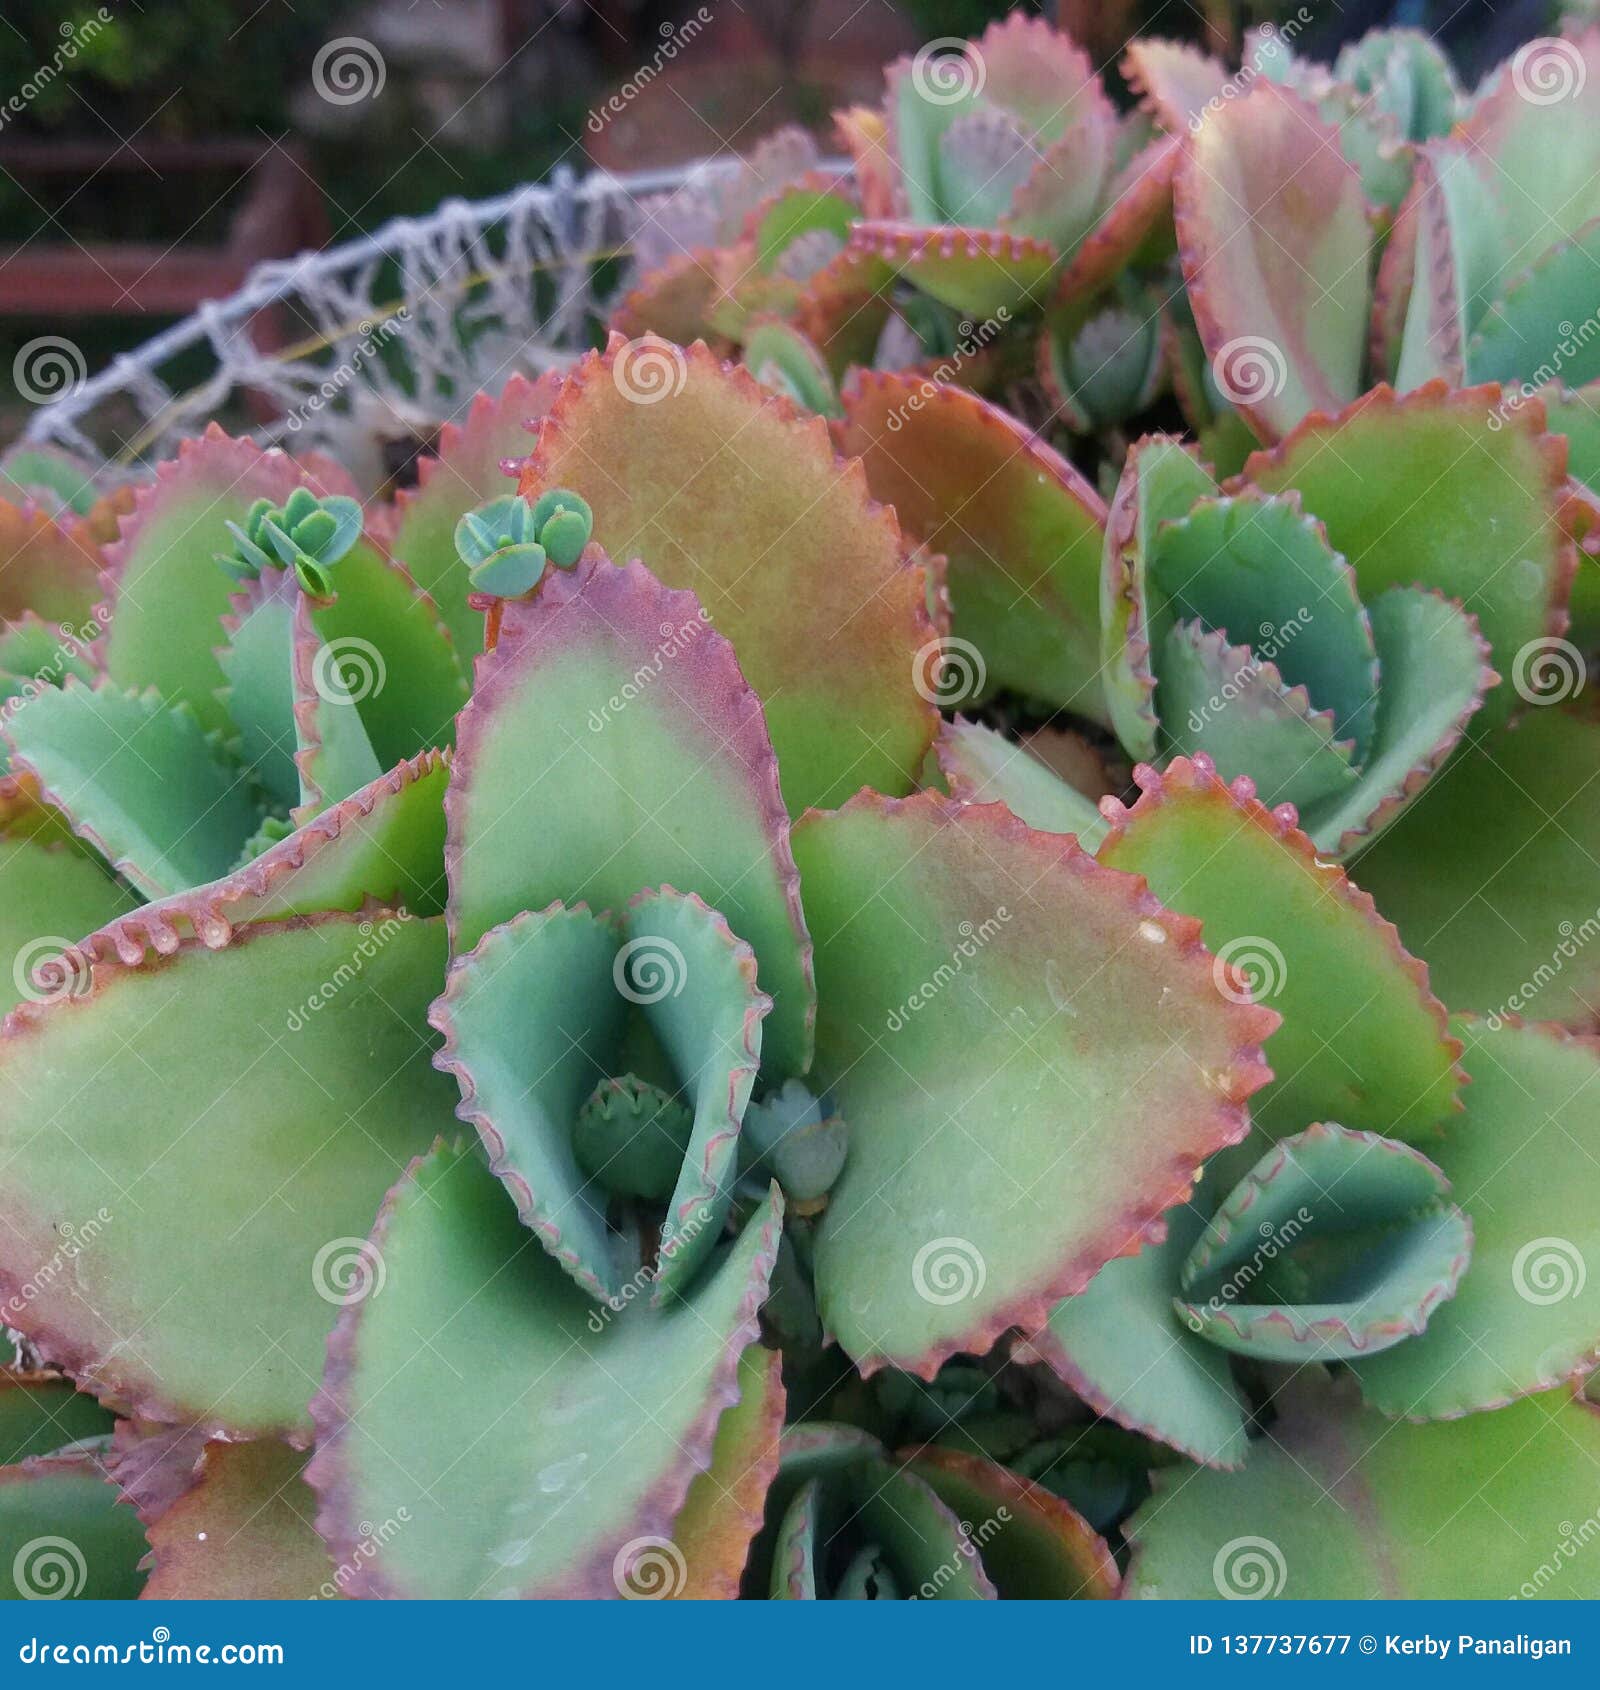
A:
{"points": [[624, 1092]]}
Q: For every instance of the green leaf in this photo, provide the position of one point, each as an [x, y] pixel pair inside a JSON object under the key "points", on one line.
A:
{"points": [[1021, 530], [983, 767], [245, 1533], [1528, 1312], [115, 1104], [983, 273], [42, 1411], [1340, 1503], [810, 582], [1409, 489], [697, 984], [64, 1535], [1434, 677], [1306, 941], [555, 1482], [972, 972], [1490, 873], [334, 755], [1275, 239], [140, 780], [259, 697], [531, 1018], [51, 568], [1536, 328], [50, 896], [1121, 1347], [1356, 1223], [613, 744]]}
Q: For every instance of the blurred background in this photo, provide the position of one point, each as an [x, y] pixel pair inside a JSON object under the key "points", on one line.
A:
{"points": [[152, 150]]}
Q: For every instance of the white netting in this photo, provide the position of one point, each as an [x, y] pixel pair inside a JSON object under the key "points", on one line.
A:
{"points": [[388, 335]]}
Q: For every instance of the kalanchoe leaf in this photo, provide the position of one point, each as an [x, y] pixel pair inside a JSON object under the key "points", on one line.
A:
{"points": [[1121, 1347], [780, 357], [796, 1137], [1363, 1219], [384, 844], [49, 567], [172, 815], [1530, 327], [531, 1016], [565, 533], [580, 1502], [685, 744], [1339, 1502], [1527, 1315], [1102, 371], [1487, 874], [981, 766], [1274, 234], [630, 1137], [1301, 937], [42, 1411], [48, 888], [795, 1549], [868, 1578], [340, 1087], [827, 624], [257, 660], [67, 1536], [1034, 1546], [244, 1532], [928, 913], [1020, 527], [1407, 488], [468, 469], [722, 1512], [978, 271], [509, 572], [333, 751]]}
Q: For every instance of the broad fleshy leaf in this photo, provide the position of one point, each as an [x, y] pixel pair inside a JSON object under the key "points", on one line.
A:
{"points": [[64, 1535], [215, 1312], [49, 567], [983, 767], [44, 889], [973, 971], [42, 1411], [555, 1482]]}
